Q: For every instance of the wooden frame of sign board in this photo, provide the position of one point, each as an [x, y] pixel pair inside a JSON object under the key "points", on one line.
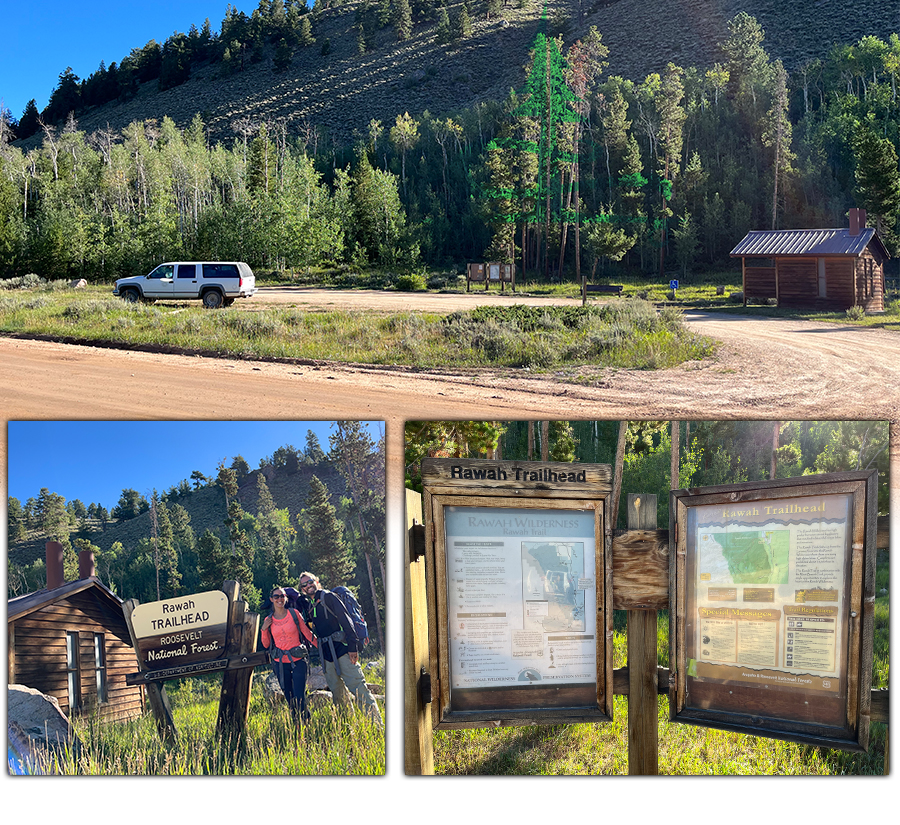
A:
{"points": [[576, 601], [779, 645]]}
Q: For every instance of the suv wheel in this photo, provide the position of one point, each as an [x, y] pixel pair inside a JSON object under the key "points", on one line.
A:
{"points": [[212, 299], [131, 295]]}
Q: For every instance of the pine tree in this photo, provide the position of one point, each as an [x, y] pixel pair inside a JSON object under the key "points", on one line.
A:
{"points": [[274, 553], [284, 53], [325, 537], [305, 38], [314, 454], [443, 32], [29, 123], [403, 20], [878, 179], [212, 561], [463, 26], [15, 520]]}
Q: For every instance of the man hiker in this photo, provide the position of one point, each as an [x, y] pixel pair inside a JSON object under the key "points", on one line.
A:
{"points": [[338, 645]]}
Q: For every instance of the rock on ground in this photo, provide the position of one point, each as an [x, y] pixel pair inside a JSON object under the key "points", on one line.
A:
{"points": [[35, 722]]}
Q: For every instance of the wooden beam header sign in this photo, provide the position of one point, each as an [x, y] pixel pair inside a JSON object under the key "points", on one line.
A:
{"points": [[521, 576], [770, 629], [542, 478], [175, 632]]}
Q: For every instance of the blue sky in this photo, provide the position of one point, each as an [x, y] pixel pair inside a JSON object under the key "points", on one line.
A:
{"points": [[95, 460], [41, 39]]}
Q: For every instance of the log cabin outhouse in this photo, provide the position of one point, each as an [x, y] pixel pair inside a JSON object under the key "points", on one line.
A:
{"points": [[70, 640], [829, 269]]}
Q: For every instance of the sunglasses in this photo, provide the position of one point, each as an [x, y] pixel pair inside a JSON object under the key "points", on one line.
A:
{"points": [[307, 583], [278, 596]]}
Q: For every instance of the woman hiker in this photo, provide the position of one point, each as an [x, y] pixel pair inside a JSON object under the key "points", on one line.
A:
{"points": [[287, 636]]}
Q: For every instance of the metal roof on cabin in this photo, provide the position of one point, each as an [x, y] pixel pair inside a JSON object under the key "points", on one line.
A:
{"points": [[804, 242]]}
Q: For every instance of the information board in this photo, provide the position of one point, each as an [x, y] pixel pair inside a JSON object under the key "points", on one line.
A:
{"points": [[769, 623], [521, 605], [521, 597]]}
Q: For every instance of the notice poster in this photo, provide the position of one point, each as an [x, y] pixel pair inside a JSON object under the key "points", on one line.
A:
{"points": [[769, 584], [521, 596]]}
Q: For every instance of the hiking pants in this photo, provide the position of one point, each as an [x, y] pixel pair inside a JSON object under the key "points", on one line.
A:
{"points": [[292, 678], [350, 680]]}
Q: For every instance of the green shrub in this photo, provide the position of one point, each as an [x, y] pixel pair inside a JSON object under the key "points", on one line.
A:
{"points": [[412, 282], [29, 281], [856, 313]]}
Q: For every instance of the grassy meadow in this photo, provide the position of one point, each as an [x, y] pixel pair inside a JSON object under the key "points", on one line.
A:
{"points": [[336, 742], [627, 334], [684, 750]]}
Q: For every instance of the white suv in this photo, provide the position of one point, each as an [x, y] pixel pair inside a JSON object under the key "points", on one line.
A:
{"points": [[216, 283]]}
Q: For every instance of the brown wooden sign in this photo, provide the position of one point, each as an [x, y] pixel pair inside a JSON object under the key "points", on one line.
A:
{"points": [[772, 589], [176, 632], [519, 593], [202, 633]]}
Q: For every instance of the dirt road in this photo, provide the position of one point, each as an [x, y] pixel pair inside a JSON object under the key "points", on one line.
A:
{"points": [[765, 369]]}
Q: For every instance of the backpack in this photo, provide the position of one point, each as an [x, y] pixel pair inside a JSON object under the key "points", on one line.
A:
{"points": [[355, 613]]}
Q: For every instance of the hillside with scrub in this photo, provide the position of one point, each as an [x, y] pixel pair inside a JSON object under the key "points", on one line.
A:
{"points": [[644, 138], [342, 63]]}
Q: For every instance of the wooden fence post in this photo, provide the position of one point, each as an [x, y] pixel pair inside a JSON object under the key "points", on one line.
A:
{"points": [[417, 743], [156, 691], [643, 735], [234, 701]]}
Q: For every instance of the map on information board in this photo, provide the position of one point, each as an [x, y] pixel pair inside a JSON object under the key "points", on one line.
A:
{"points": [[521, 596], [769, 592], [746, 556], [551, 573]]}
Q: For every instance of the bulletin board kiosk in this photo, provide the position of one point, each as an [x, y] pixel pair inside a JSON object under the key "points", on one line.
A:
{"points": [[772, 588], [519, 592]]}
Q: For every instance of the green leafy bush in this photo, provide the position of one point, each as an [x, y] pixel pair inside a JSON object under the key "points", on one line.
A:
{"points": [[412, 282]]}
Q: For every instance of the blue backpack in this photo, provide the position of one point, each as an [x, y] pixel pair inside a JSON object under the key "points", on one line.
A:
{"points": [[355, 613]]}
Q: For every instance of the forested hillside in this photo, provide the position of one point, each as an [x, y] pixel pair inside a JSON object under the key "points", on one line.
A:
{"points": [[300, 510], [656, 140], [710, 452]]}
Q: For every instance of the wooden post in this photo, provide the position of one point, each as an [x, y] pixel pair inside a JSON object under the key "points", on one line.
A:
{"points": [[643, 706], [156, 691], [417, 743], [234, 701]]}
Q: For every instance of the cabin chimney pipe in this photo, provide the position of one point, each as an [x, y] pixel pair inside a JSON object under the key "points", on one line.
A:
{"points": [[857, 221], [86, 564], [54, 552]]}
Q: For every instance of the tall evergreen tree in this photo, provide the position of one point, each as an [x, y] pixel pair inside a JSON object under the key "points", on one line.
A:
{"points": [[325, 537], [403, 20], [878, 179]]}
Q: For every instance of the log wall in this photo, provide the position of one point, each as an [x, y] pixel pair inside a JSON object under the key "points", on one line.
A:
{"points": [[38, 655]]}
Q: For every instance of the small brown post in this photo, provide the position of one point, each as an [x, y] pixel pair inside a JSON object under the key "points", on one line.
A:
{"points": [[234, 701], [643, 705], [417, 742], [156, 691]]}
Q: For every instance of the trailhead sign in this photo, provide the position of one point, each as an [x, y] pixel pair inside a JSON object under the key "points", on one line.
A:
{"points": [[772, 620], [519, 575], [181, 631], [521, 597]]}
